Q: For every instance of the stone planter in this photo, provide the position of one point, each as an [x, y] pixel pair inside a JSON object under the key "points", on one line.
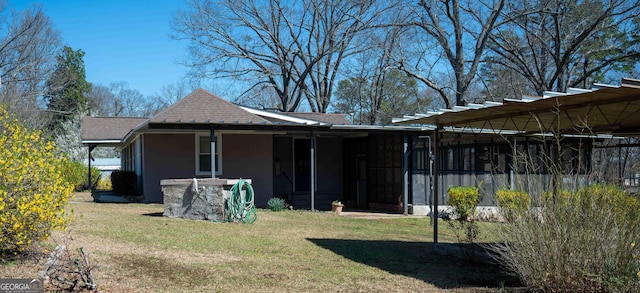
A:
{"points": [[203, 199]]}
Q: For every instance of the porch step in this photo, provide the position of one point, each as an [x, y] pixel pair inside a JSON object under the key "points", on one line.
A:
{"points": [[386, 207], [108, 197], [302, 201]]}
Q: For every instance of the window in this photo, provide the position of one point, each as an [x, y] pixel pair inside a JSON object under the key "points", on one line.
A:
{"points": [[203, 154]]}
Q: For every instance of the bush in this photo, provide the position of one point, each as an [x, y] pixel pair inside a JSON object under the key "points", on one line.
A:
{"points": [[76, 174], [124, 182], [512, 203], [275, 204], [104, 184], [581, 241], [464, 201], [33, 188]]}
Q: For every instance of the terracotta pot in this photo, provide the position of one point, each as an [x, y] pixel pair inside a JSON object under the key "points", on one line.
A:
{"points": [[337, 208]]}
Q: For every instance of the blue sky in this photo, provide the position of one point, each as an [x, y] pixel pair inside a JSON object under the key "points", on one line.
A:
{"points": [[122, 40]]}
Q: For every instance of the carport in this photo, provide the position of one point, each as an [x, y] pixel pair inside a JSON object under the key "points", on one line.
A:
{"points": [[603, 110]]}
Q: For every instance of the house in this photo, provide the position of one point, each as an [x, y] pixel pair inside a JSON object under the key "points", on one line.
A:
{"points": [[312, 159], [309, 159]]}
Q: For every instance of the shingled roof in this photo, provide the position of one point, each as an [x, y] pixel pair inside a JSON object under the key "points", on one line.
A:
{"points": [[202, 106], [108, 128]]}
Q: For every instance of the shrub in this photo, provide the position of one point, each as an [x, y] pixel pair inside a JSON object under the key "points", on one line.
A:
{"points": [[275, 204], [33, 188], [512, 203], [581, 241], [124, 182], [104, 184], [464, 201], [76, 174]]}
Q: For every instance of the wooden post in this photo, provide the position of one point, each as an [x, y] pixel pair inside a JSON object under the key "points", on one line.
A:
{"points": [[89, 185], [213, 152]]}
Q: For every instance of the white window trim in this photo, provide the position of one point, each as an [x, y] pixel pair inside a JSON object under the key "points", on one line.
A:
{"points": [[218, 149]]}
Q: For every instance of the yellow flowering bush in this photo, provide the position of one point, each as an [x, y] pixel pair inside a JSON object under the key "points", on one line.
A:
{"points": [[76, 174], [464, 200], [33, 191], [104, 184], [512, 203]]}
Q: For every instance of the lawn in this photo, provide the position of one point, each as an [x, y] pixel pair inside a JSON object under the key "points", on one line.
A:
{"points": [[136, 249]]}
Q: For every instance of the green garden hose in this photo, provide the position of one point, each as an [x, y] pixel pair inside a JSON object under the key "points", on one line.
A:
{"points": [[241, 208]]}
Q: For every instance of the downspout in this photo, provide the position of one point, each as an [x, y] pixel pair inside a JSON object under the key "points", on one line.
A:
{"points": [[427, 161], [405, 171]]}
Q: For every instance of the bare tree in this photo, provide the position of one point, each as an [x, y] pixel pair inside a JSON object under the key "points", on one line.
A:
{"points": [[28, 47], [556, 44], [100, 100], [118, 99], [291, 47], [171, 93], [451, 39], [259, 98], [335, 31], [376, 91], [500, 83]]}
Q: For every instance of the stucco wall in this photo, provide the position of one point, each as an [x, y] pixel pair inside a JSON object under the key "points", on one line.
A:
{"points": [[250, 156], [166, 156]]}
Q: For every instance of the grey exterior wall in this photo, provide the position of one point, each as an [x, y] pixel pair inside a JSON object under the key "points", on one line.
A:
{"points": [[250, 156], [172, 156], [166, 156]]}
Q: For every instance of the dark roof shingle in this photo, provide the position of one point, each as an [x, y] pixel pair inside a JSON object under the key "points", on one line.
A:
{"points": [[108, 128], [202, 106]]}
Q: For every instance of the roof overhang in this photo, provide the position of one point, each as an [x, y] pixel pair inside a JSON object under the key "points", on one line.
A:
{"points": [[283, 117], [115, 143], [607, 110], [382, 128]]}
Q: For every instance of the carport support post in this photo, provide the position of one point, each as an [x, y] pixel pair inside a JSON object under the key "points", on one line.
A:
{"points": [[436, 185], [312, 159], [213, 152]]}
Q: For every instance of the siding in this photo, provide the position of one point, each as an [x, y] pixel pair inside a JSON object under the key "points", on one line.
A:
{"points": [[166, 156], [250, 156]]}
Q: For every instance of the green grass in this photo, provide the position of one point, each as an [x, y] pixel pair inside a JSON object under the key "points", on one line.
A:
{"points": [[293, 251]]}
